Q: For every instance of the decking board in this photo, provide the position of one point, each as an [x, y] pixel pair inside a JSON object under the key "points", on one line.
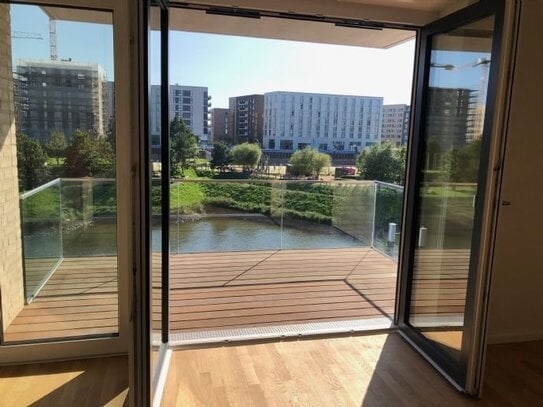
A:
{"points": [[245, 289]]}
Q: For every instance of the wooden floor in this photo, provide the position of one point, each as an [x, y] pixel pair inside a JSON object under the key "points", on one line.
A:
{"points": [[376, 370], [81, 383], [80, 299]]}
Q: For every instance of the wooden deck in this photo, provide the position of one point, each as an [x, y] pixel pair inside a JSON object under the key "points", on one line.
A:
{"points": [[80, 299], [245, 289], [277, 287]]}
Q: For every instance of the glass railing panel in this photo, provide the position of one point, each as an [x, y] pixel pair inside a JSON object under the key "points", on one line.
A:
{"points": [[89, 212], [353, 210], [42, 235], [218, 216], [388, 216]]}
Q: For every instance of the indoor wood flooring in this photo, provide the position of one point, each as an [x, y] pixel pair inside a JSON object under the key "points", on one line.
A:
{"points": [[81, 383], [373, 370]]}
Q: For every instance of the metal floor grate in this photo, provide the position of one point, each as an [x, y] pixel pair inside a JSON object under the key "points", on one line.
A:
{"points": [[278, 331]]}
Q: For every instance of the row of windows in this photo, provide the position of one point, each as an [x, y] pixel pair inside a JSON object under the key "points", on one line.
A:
{"points": [[335, 146]]}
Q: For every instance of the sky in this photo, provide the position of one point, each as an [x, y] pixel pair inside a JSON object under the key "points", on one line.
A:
{"points": [[234, 66]]}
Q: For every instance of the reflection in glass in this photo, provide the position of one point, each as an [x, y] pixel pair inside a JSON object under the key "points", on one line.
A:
{"points": [[64, 116], [457, 89]]}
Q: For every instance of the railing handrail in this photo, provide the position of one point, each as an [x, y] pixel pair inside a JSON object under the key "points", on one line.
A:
{"points": [[34, 191], [270, 181], [390, 185]]}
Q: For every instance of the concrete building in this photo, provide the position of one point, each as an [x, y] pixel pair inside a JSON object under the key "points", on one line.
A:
{"points": [[395, 128], [109, 103], [59, 95], [451, 114], [246, 118], [219, 125], [190, 103], [334, 123]]}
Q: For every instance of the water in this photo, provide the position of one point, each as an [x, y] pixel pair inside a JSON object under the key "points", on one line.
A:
{"points": [[212, 234], [215, 233]]}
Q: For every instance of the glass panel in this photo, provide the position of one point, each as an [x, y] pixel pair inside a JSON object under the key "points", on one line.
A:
{"points": [[42, 236], [156, 191], [64, 114], [388, 216], [449, 181]]}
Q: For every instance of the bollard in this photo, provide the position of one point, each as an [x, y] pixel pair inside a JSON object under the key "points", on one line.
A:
{"points": [[391, 232], [422, 236]]}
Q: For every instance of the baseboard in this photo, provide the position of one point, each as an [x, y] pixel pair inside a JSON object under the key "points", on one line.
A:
{"points": [[515, 337]]}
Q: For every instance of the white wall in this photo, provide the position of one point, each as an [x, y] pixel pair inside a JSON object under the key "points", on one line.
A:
{"points": [[516, 311]]}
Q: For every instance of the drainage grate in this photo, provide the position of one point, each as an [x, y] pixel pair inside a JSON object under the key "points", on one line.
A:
{"points": [[278, 331]]}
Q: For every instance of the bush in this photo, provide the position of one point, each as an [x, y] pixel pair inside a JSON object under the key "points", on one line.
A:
{"points": [[383, 162]]}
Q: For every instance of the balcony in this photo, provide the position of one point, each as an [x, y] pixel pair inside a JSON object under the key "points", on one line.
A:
{"points": [[248, 259]]}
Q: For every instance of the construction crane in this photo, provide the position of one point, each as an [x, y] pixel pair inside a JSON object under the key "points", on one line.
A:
{"points": [[53, 39], [26, 35]]}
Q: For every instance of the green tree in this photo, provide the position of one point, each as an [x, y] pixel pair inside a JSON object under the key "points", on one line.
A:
{"points": [[247, 155], [31, 162], [308, 162], [110, 133], [462, 164], [383, 162], [89, 156], [56, 144], [220, 156], [183, 146]]}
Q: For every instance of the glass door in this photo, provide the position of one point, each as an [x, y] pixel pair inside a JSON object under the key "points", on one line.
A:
{"points": [[441, 309]]}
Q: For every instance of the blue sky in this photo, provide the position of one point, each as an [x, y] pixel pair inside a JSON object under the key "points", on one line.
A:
{"points": [[83, 42], [231, 66]]}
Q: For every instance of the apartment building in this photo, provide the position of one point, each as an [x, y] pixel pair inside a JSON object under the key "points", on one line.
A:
{"points": [[451, 114], [328, 122], [59, 95], [190, 103], [395, 128], [219, 125], [109, 103], [246, 118]]}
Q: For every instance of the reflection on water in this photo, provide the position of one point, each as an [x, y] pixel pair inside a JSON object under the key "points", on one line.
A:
{"points": [[217, 233], [250, 233]]}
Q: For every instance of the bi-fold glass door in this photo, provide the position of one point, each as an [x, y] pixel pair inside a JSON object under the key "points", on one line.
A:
{"points": [[440, 308], [441, 304]]}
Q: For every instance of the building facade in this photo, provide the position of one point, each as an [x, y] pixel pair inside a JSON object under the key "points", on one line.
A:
{"points": [[109, 104], [334, 123], [190, 103], [395, 127], [59, 95], [246, 118], [451, 116], [219, 125]]}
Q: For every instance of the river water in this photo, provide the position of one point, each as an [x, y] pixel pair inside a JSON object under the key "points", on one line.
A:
{"points": [[215, 233]]}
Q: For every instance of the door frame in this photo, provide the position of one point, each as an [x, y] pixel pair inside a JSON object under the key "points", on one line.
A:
{"points": [[466, 377], [120, 343]]}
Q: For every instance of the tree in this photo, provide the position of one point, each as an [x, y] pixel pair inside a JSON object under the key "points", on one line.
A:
{"points": [[383, 162], [88, 155], [31, 162], [308, 162], [247, 155], [220, 156], [462, 164], [110, 133], [183, 146], [56, 144]]}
